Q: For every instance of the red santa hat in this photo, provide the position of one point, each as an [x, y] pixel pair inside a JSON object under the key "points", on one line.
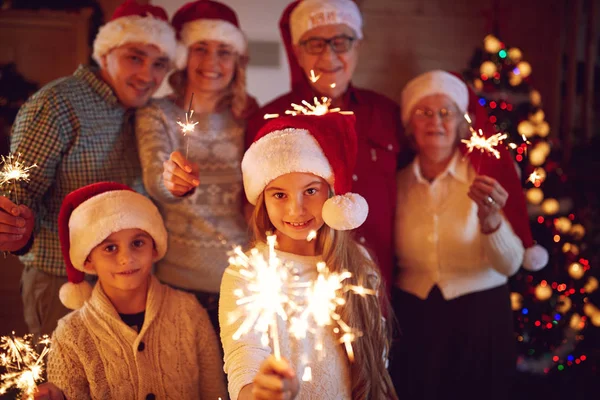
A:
{"points": [[207, 20], [88, 216], [325, 146], [135, 23], [310, 14], [501, 169]]}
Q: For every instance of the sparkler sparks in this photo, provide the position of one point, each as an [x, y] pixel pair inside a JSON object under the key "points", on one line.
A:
{"points": [[311, 235], [24, 366], [314, 78], [480, 142], [267, 295], [13, 171], [319, 107], [189, 126], [324, 296], [537, 177]]}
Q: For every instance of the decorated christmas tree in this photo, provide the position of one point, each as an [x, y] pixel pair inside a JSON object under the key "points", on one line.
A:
{"points": [[557, 309]]}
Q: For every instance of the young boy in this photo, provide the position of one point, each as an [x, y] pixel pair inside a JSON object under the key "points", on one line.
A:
{"points": [[130, 337]]}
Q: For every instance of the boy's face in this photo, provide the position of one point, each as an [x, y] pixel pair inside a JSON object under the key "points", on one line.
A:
{"points": [[123, 260], [135, 71]]}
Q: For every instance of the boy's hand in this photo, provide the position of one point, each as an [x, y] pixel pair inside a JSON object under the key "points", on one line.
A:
{"points": [[180, 175], [16, 225], [48, 391], [275, 380]]}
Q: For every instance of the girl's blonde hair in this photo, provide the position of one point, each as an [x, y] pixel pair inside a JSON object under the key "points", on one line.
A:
{"points": [[368, 374], [235, 98]]}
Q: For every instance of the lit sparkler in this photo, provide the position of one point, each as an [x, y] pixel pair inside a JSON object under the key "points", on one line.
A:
{"points": [[319, 107], [480, 142], [537, 177], [311, 235], [13, 171], [189, 126], [267, 295], [24, 366]]}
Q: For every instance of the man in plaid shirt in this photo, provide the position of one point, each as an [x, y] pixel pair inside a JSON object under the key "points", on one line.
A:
{"points": [[78, 131]]}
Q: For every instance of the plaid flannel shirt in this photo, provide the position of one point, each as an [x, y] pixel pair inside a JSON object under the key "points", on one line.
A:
{"points": [[77, 133]]}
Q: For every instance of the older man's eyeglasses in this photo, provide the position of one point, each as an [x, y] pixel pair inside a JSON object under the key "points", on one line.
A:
{"points": [[427, 113], [339, 44]]}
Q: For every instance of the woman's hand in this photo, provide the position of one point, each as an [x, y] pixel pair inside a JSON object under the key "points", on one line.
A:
{"points": [[275, 380], [180, 176], [48, 391], [490, 198]]}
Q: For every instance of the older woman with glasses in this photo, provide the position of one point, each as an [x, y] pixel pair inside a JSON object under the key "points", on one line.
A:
{"points": [[323, 40], [459, 236]]}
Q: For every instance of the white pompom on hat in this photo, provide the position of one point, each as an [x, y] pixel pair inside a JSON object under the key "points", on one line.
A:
{"points": [[430, 83], [88, 216], [325, 146], [310, 14], [135, 23]]}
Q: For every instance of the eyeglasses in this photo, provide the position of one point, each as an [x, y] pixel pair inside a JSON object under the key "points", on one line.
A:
{"points": [[339, 44], [427, 113]]}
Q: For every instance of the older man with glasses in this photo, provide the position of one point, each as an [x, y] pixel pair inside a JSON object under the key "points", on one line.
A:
{"points": [[323, 39]]}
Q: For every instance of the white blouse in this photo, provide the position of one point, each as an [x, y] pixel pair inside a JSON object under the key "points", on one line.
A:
{"points": [[438, 237]]}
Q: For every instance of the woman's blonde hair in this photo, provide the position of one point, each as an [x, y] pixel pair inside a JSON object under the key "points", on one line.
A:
{"points": [[368, 374], [235, 98]]}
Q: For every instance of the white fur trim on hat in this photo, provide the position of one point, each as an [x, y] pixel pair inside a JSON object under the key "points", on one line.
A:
{"points": [[310, 14], [211, 29], [73, 295], [430, 83], [345, 212], [135, 29], [98, 217], [279, 153], [535, 258]]}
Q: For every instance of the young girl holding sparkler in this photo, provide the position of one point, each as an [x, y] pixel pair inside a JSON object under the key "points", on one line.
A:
{"points": [[211, 82], [297, 174], [130, 337], [459, 236]]}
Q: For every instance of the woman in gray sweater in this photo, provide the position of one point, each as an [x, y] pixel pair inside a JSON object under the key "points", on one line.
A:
{"points": [[203, 214]]}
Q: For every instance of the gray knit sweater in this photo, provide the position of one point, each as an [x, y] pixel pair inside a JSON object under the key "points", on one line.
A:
{"points": [[196, 257]]}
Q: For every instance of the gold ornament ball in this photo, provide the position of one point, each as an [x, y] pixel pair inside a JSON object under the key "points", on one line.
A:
{"points": [[578, 231], [591, 285], [576, 270], [487, 68], [535, 196], [542, 173], [543, 292], [595, 320], [564, 303], [543, 129], [570, 248], [550, 206], [537, 117], [478, 84], [562, 224], [515, 54], [526, 128], [590, 309], [537, 157], [535, 97], [544, 147], [524, 69], [515, 80], [576, 323], [492, 44], [516, 301]]}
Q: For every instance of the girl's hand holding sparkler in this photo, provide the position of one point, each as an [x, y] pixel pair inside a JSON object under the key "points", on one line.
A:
{"points": [[48, 391], [275, 380], [490, 198], [180, 176], [16, 225]]}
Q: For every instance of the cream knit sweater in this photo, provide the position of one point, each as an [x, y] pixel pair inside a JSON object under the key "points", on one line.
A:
{"points": [[243, 357], [175, 356]]}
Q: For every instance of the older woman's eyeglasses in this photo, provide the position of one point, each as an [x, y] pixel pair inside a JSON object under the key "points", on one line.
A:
{"points": [[339, 44], [427, 113]]}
